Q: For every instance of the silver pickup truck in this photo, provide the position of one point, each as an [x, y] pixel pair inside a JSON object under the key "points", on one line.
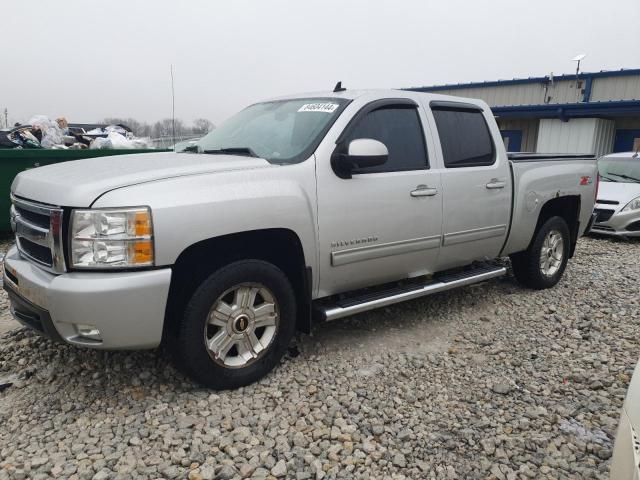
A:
{"points": [[307, 207]]}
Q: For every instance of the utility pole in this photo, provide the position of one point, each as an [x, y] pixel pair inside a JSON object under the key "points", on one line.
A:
{"points": [[6, 118], [173, 109]]}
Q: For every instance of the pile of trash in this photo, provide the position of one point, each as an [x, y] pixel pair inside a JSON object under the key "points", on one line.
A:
{"points": [[42, 132]]}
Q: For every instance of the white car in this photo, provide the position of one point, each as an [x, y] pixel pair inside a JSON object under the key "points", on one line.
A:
{"points": [[626, 453], [618, 202]]}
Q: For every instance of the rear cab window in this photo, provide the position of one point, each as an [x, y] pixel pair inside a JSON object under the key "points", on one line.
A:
{"points": [[464, 135]]}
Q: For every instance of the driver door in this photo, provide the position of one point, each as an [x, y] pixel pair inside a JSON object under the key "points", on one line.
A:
{"points": [[385, 222]]}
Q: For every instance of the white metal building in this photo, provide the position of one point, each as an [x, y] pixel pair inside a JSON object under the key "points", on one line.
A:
{"points": [[596, 112]]}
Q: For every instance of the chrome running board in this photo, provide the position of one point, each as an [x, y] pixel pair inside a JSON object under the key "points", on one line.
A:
{"points": [[369, 301]]}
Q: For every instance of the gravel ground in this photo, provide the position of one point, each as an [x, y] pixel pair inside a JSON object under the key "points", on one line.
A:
{"points": [[491, 381]]}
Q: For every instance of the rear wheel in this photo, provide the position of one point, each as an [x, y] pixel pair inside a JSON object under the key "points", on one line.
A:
{"points": [[237, 325], [543, 263]]}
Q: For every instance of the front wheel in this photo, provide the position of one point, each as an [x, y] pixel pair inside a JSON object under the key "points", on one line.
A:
{"points": [[237, 325], [543, 263]]}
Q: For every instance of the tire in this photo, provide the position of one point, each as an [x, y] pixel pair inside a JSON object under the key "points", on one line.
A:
{"points": [[534, 271], [241, 299]]}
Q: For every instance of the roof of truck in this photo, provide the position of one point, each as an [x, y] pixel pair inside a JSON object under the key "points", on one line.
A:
{"points": [[347, 94], [381, 93]]}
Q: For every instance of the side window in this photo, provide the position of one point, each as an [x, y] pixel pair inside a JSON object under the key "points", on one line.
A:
{"points": [[465, 138], [399, 128]]}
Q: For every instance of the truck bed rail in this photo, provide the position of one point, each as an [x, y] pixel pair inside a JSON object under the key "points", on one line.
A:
{"points": [[547, 157]]}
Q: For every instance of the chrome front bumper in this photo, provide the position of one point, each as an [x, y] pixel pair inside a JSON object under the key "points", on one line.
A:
{"points": [[127, 308]]}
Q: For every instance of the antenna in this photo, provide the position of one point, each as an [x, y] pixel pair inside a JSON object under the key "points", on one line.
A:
{"points": [[339, 87], [173, 109]]}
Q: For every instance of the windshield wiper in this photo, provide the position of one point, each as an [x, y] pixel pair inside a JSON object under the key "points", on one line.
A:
{"points": [[626, 177], [609, 179], [244, 151]]}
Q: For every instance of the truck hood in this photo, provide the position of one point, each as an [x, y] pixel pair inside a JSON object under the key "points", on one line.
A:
{"points": [[78, 183], [618, 192]]}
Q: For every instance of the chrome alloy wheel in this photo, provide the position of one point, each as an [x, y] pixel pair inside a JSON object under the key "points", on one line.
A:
{"points": [[241, 325], [551, 253]]}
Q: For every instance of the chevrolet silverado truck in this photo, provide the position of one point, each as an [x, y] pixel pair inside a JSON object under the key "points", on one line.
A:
{"points": [[299, 209]]}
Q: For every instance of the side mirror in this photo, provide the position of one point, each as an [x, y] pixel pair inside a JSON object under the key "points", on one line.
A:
{"points": [[361, 153]]}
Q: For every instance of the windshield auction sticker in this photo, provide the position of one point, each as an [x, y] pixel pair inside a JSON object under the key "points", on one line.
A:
{"points": [[319, 107]]}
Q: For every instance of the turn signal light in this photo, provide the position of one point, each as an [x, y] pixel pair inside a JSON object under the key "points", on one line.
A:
{"points": [[142, 252], [143, 223]]}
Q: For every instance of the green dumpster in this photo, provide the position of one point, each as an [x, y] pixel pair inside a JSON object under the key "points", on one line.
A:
{"points": [[14, 161]]}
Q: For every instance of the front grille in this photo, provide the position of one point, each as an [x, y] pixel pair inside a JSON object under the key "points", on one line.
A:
{"points": [[603, 214], [35, 218], [38, 229], [37, 252]]}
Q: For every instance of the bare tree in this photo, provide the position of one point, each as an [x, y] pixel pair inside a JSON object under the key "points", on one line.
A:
{"points": [[202, 126], [164, 128]]}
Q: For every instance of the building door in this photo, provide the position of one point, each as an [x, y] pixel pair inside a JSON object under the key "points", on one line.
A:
{"points": [[627, 140], [512, 140]]}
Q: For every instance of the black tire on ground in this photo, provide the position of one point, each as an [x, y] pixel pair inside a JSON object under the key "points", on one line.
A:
{"points": [[194, 357], [526, 265]]}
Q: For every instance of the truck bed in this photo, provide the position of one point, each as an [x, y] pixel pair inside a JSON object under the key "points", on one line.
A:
{"points": [[540, 177]]}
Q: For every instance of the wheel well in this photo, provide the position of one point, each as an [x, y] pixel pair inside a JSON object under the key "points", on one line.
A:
{"points": [[568, 208], [280, 247]]}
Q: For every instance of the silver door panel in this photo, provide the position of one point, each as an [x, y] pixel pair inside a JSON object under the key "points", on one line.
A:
{"points": [[405, 228]]}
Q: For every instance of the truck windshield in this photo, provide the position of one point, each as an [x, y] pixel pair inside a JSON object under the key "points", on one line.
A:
{"points": [[620, 170], [284, 131]]}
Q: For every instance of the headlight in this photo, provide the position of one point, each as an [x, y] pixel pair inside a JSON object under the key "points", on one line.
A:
{"points": [[113, 238], [632, 205]]}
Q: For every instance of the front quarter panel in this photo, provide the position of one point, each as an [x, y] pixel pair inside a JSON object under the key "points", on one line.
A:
{"points": [[187, 210]]}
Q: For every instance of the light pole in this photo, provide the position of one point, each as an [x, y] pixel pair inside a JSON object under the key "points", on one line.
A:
{"points": [[577, 59]]}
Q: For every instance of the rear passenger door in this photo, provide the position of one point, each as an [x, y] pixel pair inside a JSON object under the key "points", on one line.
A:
{"points": [[476, 184]]}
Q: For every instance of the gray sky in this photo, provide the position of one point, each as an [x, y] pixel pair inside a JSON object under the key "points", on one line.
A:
{"points": [[90, 60]]}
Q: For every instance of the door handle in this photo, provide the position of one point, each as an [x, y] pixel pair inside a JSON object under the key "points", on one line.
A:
{"points": [[495, 183], [424, 191]]}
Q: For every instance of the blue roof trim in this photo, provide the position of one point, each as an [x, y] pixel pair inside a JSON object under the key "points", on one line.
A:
{"points": [[521, 81], [564, 111], [495, 83]]}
